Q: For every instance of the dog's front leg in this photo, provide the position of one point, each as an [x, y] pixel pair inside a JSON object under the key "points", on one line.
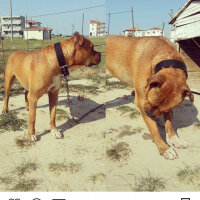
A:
{"points": [[163, 148], [175, 140], [53, 101], [32, 114]]}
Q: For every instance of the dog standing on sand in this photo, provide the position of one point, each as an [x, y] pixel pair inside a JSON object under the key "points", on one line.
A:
{"points": [[158, 74], [39, 73]]}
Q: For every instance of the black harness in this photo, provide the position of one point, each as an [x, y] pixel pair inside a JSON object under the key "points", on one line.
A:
{"points": [[61, 59], [171, 63]]}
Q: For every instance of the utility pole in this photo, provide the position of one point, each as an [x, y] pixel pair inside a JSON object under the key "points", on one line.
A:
{"points": [[109, 23], [171, 13], [11, 20], [133, 21], [26, 24], [73, 25], [82, 23], [163, 28]]}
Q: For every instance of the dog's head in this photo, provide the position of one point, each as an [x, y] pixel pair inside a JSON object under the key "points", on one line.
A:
{"points": [[84, 53], [164, 93]]}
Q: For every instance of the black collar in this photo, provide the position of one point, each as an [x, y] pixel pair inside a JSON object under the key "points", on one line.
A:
{"points": [[61, 59], [171, 63]]}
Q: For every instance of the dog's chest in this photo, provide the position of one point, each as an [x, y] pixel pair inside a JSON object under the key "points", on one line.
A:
{"points": [[56, 83]]}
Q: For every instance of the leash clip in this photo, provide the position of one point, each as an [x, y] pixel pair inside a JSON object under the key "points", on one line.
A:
{"points": [[64, 70]]}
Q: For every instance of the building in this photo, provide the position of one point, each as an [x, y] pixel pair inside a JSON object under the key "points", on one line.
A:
{"points": [[97, 28], [137, 32], [154, 32], [186, 23], [37, 32], [32, 22], [18, 24]]}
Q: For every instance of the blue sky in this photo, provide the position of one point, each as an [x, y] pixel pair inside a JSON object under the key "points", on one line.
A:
{"points": [[61, 23], [147, 13]]}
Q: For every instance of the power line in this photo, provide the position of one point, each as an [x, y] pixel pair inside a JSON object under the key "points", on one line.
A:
{"points": [[119, 13], [68, 11]]}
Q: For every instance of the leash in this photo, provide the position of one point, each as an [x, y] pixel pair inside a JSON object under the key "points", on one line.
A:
{"points": [[65, 72]]}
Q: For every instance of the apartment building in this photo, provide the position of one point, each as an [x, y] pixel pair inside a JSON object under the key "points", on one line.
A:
{"points": [[18, 24], [97, 28]]}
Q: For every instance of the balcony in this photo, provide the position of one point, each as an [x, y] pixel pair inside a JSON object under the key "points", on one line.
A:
{"points": [[100, 31], [13, 21], [100, 26]]}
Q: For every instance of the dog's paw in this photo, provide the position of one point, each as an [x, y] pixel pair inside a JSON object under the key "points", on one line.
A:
{"points": [[5, 110], [33, 138], [170, 154], [178, 142], [56, 134]]}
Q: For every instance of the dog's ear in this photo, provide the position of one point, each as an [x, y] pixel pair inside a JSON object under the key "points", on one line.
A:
{"points": [[155, 81], [78, 39], [188, 93]]}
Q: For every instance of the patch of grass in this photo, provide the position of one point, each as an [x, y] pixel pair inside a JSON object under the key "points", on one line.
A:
{"points": [[133, 112], [197, 124], [71, 167], [115, 85], [117, 152], [189, 175], [23, 143], [25, 185], [127, 131], [91, 89], [61, 114], [97, 178], [149, 183], [10, 122], [137, 130], [26, 167], [6, 180]]}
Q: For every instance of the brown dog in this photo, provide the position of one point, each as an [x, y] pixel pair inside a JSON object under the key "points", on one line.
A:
{"points": [[133, 61], [39, 73]]}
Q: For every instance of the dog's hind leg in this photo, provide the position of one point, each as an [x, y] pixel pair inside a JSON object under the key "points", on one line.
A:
{"points": [[53, 101], [175, 140], [9, 78], [26, 100]]}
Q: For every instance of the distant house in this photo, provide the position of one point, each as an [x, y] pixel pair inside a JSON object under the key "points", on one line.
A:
{"points": [[137, 32], [32, 22], [18, 24], [155, 31], [97, 28], [187, 34], [37, 32]]}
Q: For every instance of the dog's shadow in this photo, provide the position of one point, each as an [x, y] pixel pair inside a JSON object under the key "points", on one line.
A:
{"points": [[79, 111], [119, 101], [183, 116]]}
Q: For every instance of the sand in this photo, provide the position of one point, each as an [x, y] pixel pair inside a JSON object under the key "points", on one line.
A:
{"points": [[86, 143]]}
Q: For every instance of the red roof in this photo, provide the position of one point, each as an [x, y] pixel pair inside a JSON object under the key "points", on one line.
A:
{"points": [[133, 28], [36, 28], [96, 22], [155, 28], [30, 20]]}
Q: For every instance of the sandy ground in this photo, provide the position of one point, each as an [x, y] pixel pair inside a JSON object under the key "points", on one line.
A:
{"points": [[86, 143]]}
